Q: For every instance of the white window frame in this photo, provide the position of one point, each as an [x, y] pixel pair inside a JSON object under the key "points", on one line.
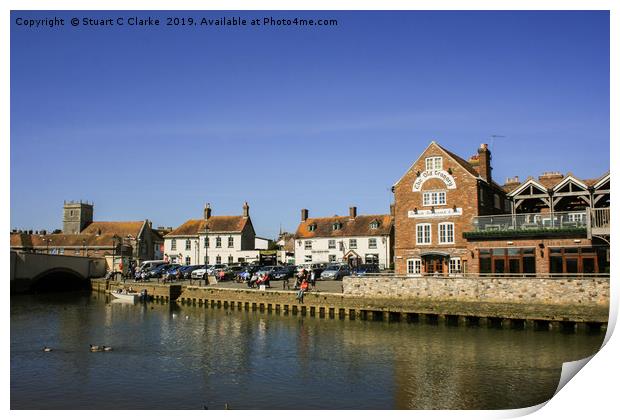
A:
{"points": [[421, 228], [433, 162], [455, 266], [352, 243], [218, 260], [414, 266], [218, 242], [231, 242], [173, 244], [372, 243], [331, 258], [231, 259], [434, 198], [188, 244], [188, 260], [444, 231], [308, 258], [307, 244], [331, 244]]}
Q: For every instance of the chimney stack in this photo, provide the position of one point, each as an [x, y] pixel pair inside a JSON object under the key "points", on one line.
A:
{"points": [[392, 209], [484, 162], [304, 215], [352, 212], [207, 211], [246, 209]]}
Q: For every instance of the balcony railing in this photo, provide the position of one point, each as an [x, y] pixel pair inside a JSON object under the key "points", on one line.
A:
{"points": [[599, 222], [531, 221]]}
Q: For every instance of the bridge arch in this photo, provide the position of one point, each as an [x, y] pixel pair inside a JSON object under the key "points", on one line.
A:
{"points": [[59, 279]]}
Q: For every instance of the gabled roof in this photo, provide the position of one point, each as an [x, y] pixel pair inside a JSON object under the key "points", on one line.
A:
{"points": [[215, 224], [570, 178], [122, 229], [358, 226], [604, 178], [459, 160], [525, 184]]}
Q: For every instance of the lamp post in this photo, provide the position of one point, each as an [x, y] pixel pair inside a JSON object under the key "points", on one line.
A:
{"points": [[84, 248], [48, 245], [114, 240], [206, 255]]}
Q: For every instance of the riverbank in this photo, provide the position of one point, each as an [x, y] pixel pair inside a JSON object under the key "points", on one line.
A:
{"points": [[324, 304]]}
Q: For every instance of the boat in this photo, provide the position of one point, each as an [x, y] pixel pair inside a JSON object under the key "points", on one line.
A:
{"points": [[131, 297]]}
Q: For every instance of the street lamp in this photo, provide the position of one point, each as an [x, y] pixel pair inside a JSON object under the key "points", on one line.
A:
{"points": [[206, 255], [115, 238]]}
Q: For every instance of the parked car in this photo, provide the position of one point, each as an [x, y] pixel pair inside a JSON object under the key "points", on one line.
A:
{"points": [[365, 269], [171, 272], [335, 272], [200, 273], [151, 264], [157, 271], [283, 272], [212, 269], [186, 270]]}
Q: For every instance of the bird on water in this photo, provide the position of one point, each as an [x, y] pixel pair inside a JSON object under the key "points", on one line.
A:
{"points": [[47, 349], [95, 348]]}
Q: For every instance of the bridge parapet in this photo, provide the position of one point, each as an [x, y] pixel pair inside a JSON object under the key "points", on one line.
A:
{"points": [[28, 268]]}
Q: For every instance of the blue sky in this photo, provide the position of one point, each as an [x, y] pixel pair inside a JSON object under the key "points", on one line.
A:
{"points": [[154, 122]]}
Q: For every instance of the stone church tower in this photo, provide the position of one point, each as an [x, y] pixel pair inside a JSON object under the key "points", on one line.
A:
{"points": [[76, 216]]}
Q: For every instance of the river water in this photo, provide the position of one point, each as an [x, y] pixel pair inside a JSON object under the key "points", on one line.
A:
{"points": [[181, 357]]}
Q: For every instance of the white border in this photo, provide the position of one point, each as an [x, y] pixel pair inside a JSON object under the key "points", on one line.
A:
{"points": [[592, 395]]}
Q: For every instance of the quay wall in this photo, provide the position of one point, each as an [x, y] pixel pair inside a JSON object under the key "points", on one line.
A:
{"points": [[513, 290], [384, 307]]}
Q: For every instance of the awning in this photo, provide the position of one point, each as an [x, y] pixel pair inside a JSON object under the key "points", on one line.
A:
{"points": [[428, 253]]}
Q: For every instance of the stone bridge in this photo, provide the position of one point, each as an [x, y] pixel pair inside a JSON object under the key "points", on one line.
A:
{"points": [[44, 272]]}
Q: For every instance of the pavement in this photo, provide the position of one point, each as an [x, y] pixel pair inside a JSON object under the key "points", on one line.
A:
{"points": [[329, 286]]}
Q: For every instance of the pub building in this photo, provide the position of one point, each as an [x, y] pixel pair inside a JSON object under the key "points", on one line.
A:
{"points": [[452, 218]]}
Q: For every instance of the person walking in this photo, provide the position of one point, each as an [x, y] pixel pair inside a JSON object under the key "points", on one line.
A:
{"points": [[313, 277]]}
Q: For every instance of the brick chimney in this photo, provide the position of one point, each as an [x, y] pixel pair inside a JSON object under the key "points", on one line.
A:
{"points": [[352, 212], [484, 162], [246, 209], [207, 211], [511, 183], [304, 215], [552, 177]]}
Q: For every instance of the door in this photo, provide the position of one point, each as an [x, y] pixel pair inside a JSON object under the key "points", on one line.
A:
{"points": [[434, 264]]}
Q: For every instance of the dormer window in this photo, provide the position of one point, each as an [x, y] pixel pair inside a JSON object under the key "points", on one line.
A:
{"points": [[374, 224], [337, 226], [435, 162], [312, 227]]}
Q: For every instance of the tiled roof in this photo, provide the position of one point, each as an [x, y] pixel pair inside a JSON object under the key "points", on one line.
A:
{"points": [[359, 226], [22, 240], [551, 181], [114, 228], [465, 164], [214, 223]]}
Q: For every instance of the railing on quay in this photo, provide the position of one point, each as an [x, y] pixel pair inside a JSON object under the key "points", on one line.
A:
{"points": [[492, 275], [531, 221]]}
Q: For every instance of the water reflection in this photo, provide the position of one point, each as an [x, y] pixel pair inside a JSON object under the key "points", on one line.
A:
{"points": [[168, 356]]}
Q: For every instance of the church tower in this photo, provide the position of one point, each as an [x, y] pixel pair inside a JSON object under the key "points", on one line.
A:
{"points": [[76, 216]]}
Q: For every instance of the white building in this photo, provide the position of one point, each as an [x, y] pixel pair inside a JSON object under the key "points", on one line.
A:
{"points": [[213, 240], [353, 239]]}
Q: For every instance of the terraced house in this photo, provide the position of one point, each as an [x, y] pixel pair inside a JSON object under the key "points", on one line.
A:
{"points": [[353, 239], [213, 240], [451, 217]]}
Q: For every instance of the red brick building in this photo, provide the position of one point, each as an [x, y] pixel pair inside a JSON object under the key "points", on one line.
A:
{"points": [[451, 217]]}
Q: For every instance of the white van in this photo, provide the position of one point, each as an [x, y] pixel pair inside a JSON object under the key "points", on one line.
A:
{"points": [[149, 265]]}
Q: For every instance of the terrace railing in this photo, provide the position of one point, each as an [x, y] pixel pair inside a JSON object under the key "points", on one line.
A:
{"points": [[531, 221], [599, 222]]}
